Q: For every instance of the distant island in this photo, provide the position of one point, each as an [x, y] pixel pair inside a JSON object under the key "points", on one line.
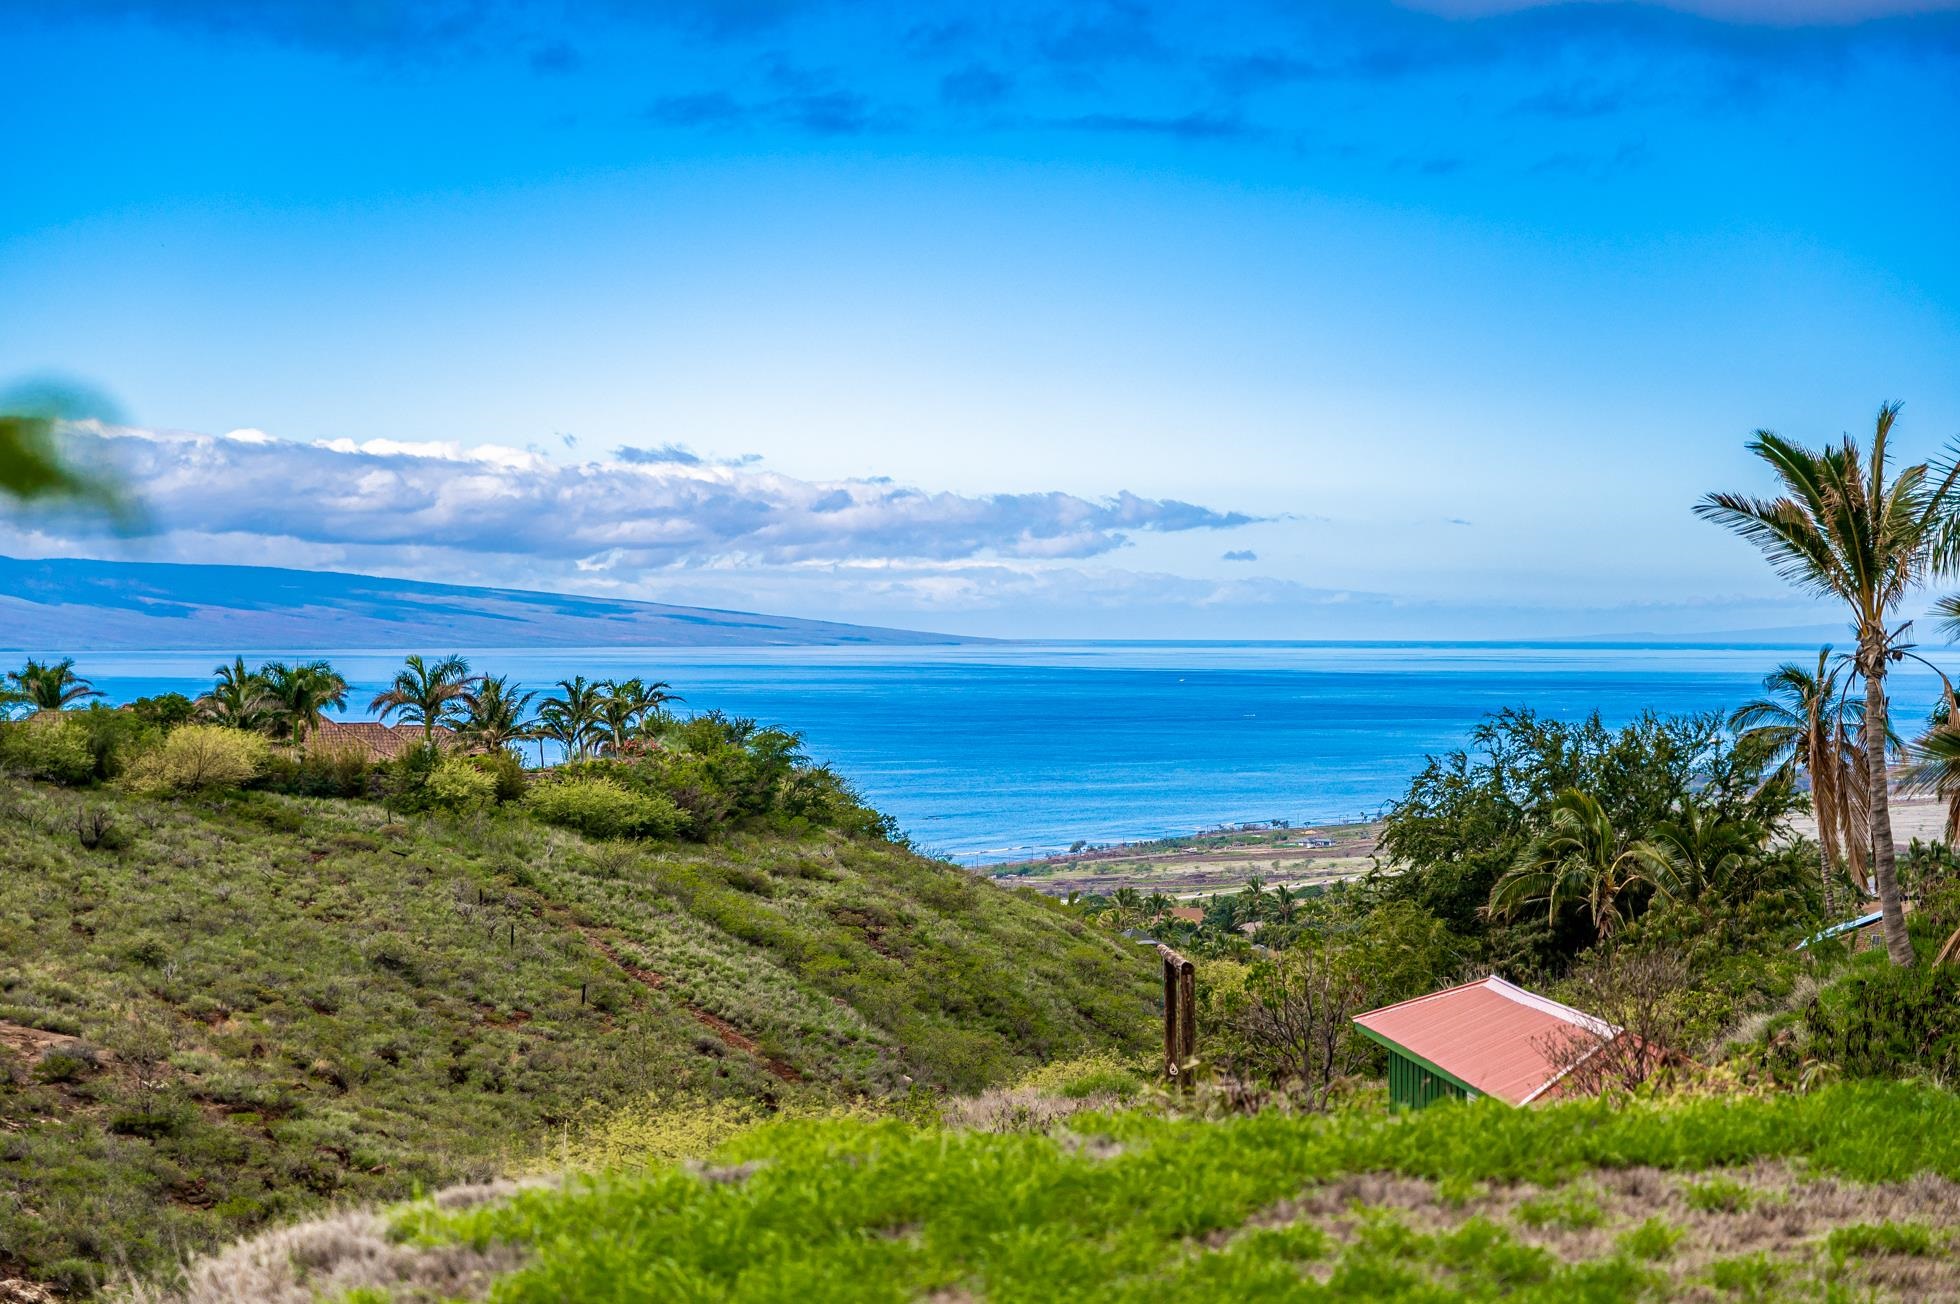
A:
{"points": [[163, 607]]}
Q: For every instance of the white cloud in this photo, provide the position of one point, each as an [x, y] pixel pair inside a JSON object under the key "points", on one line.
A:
{"points": [[626, 512]]}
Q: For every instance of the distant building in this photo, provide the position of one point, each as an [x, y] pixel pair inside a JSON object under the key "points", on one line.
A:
{"points": [[1486, 1038], [374, 739], [1188, 914]]}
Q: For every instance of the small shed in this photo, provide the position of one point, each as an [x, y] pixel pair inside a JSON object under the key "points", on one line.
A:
{"points": [[1485, 1038]]}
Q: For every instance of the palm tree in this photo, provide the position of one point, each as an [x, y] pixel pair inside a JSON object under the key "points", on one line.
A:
{"points": [[572, 718], [629, 706], [1804, 724], [239, 698], [1704, 854], [428, 694], [301, 695], [1249, 904], [1579, 860], [1286, 903], [1126, 907], [1841, 529], [620, 707], [494, 714], [1158, 906], [50, 686]]}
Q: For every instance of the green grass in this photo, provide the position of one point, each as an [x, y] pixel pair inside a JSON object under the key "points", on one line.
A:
{"points": [[1719, 1195], [1568, 1208], [1863, 1239], [1169, 1208], [1651, 1241], [303, 1002]]}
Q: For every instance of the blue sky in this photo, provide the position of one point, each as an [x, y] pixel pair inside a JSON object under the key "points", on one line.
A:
{"points": [[1339, 320]]}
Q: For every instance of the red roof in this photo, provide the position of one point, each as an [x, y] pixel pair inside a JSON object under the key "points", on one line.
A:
{"points": [[379, 740], [1491, 1034]]}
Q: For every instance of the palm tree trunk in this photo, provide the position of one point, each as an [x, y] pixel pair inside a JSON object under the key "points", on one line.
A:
{"points": [[1830, 896], [1885, 869], [1824, 801]]}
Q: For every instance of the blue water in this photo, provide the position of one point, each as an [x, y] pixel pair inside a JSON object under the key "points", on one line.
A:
{"points": [[990, 752]]}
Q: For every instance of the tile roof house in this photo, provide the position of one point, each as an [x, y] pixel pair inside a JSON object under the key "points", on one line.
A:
{"points": [[375, 739], [1486, 1038], [1188, 914]]}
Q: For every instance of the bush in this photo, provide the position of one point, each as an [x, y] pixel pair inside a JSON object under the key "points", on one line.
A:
{"points": [[323, 771], [197, 757], [165, 710], [602, 808], [506, 771], [1879, 1020], [67, 1062], [48, 746], [456, 784], [115, 737]]}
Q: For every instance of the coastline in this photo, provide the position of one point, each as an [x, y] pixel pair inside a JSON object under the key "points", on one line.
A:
{"points": [[1201, 864]]}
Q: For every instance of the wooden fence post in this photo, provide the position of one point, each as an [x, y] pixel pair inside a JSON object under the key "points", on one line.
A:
{"points": [[1180, 1015]]}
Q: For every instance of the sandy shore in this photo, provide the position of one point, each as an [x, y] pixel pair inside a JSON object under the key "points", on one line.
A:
{"points": [[1912, 817]]}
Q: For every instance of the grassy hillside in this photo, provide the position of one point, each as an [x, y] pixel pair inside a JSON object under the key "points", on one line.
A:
{"points": [[220, 1011], [1847, 1193]]}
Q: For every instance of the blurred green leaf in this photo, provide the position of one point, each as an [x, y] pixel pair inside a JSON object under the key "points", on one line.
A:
{"points": [[32, 467]]}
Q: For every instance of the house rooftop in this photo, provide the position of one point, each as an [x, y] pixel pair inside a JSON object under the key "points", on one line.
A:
{"points": [[1490, 1035], [376, 739]]}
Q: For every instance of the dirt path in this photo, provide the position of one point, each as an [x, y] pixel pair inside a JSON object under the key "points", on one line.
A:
{"points": [[30, 1043]]}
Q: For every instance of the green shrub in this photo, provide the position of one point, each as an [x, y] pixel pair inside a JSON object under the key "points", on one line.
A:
{"points": [[1102, 1072], [506, 771], [115, 737], [153, 1117], [1878, 1019], [165, 710], [1861, 1240], [457, 784], [67, 1062], [1651, 1240], [200, 757], [319, 772], [1719, 1195], [1750, 1276], [603, 808], [1572, 1209], [48, 746]]}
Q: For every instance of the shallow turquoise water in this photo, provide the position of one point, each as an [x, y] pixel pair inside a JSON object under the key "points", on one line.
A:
{"points": [[987, 752]]}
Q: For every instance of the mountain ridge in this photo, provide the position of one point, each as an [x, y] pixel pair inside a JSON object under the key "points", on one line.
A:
{"points": [[72, 602]]}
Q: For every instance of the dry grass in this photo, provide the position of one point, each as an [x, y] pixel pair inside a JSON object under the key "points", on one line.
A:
{"points": [[1021, 1109], [326, 1258]]}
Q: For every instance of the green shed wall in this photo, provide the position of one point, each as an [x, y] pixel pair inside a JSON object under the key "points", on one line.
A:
{"points": [[1412, 1085]]}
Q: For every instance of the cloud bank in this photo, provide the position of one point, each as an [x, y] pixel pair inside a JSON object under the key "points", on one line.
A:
{"points": [[633, 509]]}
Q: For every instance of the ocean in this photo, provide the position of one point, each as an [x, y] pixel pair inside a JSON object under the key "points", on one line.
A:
{"points": [[992, 752]]}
